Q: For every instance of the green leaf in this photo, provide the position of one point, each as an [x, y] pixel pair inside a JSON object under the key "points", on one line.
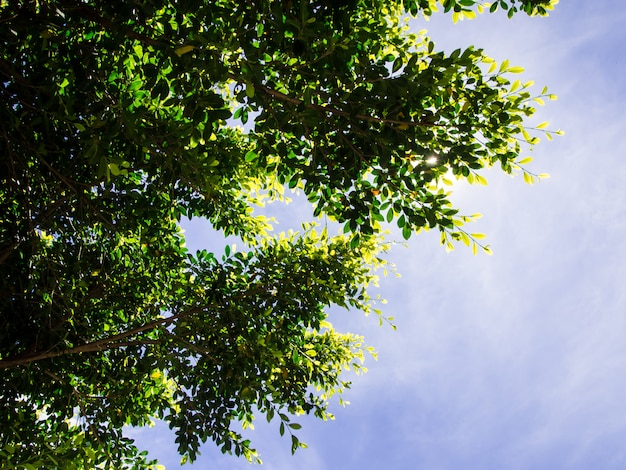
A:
{"points": [[397, 64], [406, 232]]}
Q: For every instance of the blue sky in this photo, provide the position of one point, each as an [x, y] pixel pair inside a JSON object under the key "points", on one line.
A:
{"points": [[510, 361]]}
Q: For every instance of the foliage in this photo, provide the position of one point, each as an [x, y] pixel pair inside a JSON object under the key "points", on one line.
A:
{"points": [[120, 119]]}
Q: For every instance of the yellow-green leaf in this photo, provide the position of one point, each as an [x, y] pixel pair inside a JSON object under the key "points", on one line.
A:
{"points": [[465, 239], [182, 50], [249, 89], [528, 178], [469, 14]]}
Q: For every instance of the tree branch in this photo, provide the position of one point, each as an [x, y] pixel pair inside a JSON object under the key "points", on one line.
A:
{"points": [[338, 112], [105, 344], [115, 341]]}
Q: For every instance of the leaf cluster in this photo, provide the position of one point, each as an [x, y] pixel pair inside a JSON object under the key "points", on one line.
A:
{"points": [[119, 120]]}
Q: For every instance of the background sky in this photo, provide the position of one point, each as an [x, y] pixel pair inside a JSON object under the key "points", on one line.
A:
{"points": [[510, 361]]}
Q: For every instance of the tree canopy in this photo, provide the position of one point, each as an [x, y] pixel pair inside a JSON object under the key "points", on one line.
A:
{"points": [[121, 119]]}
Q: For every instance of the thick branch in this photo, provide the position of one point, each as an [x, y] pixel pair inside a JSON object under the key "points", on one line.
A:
{"points": [[112, 342], [6, 252], [116, 341]]}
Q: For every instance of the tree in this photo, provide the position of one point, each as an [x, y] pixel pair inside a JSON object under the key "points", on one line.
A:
{"points": [[119, 119]]}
